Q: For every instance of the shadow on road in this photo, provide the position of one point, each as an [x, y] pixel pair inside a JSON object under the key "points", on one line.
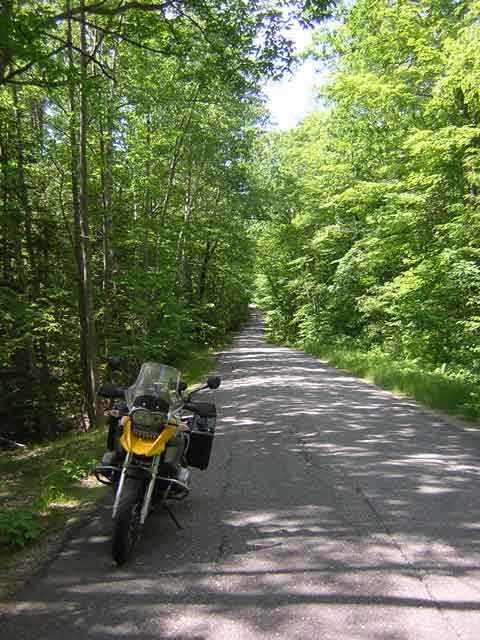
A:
{"points": [[333, 510]]}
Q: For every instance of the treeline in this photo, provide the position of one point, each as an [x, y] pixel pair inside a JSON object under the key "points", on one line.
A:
{"points": [[125, 133], [373, 242]]}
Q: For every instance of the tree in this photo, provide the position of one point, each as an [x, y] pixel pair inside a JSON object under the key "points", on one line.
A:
{"points": [[125, 135], [383, 190]]}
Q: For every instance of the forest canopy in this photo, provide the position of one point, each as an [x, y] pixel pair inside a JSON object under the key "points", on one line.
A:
{"points": [[126, 129], [373, 239], [144, 203]]}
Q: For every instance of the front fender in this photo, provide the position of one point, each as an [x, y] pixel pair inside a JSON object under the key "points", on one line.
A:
{"points": [[133, 471]]}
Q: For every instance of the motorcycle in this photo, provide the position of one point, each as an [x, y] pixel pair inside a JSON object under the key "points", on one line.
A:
{"points": [[153, 444]]}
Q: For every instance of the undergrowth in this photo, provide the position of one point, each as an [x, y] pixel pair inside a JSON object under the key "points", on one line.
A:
{"points": [[196, 364], [40, 486]]}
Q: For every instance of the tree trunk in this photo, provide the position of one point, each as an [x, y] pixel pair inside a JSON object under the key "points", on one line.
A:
{"points": [[147, 204], [107, 156], [207, 255], [7, 250], [183, 275], [39, 377], [185, 125], [81, 228]]}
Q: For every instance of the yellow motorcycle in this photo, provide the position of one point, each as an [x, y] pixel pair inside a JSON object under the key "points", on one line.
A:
{"points": [[153, 445]]}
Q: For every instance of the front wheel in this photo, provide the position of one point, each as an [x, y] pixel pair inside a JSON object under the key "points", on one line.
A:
{"points": [[126, 526]]}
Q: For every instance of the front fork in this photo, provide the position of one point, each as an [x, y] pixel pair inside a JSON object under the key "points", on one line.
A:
{"points": [[149, 492], [123, 475]]}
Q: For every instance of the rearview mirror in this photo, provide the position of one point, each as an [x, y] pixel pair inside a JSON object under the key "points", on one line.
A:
{"points": [[182, 386], [213, 382], [114, 362], [111, 391]]}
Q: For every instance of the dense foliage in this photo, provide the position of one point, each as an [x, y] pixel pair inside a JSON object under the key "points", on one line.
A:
{"points": [[125, 133], [373, 241], [136, 190]]}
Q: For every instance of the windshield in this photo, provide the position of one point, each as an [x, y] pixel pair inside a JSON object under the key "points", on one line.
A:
{"points": [[155, 388]]}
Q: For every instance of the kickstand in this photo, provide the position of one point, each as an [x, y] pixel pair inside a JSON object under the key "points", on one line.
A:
{"points": [[172, 516]]}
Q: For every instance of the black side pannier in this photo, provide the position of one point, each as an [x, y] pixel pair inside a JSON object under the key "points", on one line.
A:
{"points": [[202, 432]]}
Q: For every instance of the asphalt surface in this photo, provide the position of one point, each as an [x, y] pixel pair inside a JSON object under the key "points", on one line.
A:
{"points": [[330, 510]]}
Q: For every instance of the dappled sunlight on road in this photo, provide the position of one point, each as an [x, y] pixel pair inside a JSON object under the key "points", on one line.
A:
{"points": [[332, 510], [399, 454]]}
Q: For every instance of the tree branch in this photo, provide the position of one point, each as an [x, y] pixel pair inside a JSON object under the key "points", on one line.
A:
{"points": [[45, 84], [124, 38], [90, 56], [194, 22], [99, 43], [29, 65], [99, 9]]}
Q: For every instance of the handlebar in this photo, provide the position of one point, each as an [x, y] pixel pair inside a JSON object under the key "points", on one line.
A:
{"points": [[111, 391]]}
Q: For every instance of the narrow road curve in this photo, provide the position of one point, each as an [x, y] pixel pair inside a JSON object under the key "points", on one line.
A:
{"points": [[330, 510]]}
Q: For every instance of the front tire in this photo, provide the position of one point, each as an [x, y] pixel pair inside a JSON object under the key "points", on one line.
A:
{"points": [[126, 526]]}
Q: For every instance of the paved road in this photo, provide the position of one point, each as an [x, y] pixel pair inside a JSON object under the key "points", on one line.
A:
{"points": [[331, 510]]}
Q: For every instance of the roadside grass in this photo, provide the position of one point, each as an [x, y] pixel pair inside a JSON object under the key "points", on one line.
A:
{"points": [[436, 390], [43, 485], [197, 364]]}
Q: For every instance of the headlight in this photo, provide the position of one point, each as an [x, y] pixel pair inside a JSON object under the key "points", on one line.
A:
{"points": [[146, 424], [145, 418]]}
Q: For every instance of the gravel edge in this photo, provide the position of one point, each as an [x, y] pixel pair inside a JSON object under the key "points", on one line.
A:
{"points": [[34, 559]]}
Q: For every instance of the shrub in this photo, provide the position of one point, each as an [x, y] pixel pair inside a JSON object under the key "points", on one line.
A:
{"points": [[19, 527]]}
